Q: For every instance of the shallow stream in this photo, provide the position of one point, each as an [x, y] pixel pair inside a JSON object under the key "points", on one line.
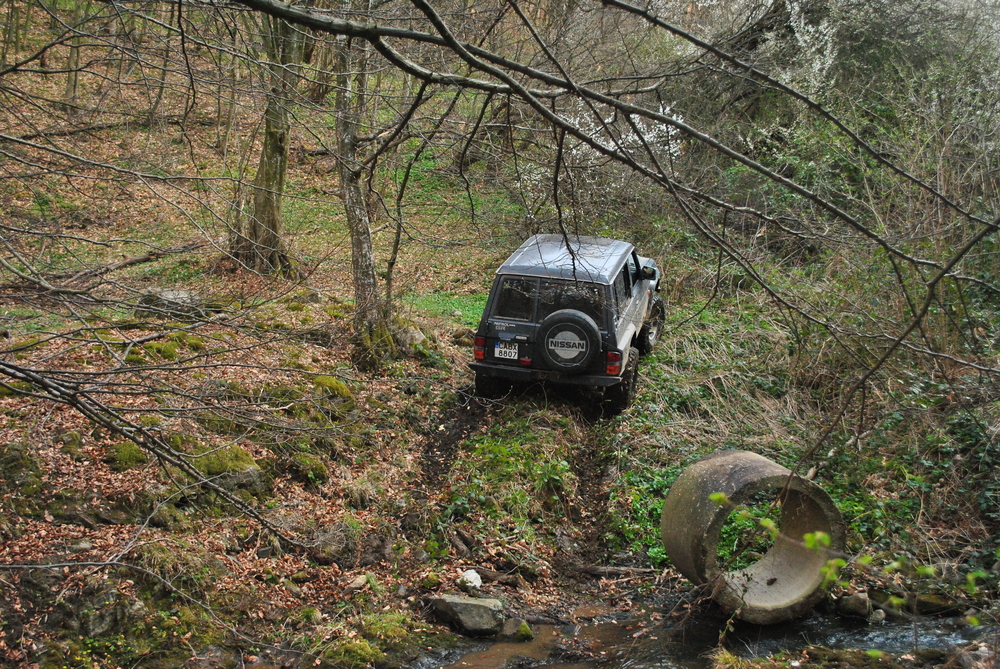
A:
{"points": [[644, 643]]}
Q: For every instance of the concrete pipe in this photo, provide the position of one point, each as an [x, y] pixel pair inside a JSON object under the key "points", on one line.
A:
{"points": [[785, 582]]}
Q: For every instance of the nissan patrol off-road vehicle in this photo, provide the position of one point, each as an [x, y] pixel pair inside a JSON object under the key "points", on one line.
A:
{"points": [[569, 310]]}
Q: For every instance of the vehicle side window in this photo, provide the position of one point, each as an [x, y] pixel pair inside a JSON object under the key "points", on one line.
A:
{"points": [[515, 299], [633, 267], [623, 290]]}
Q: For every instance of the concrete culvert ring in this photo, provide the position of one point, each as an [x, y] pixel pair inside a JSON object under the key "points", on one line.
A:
{"points": [[784, 583]]}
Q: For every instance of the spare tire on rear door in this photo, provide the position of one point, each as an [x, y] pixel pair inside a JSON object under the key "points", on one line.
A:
{"points": [[569, 341]]}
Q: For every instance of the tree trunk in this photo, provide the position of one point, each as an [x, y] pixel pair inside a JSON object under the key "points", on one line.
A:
{"points": [[322, 85], [11, 33], [373, 340], [268, 252], [73, 64], [259, 243]]}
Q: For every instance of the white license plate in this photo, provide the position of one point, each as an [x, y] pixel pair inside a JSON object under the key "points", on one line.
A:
{"points": [[505, 351]]}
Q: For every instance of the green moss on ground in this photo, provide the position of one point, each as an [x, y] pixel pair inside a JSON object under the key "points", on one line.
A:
{"points": [[224, 460], [124, 455], [826, 658], [15, 388], [333, 386], [352, 653]]}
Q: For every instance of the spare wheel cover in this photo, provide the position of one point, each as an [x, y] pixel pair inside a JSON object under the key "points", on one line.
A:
{"points": [[569, 340]]}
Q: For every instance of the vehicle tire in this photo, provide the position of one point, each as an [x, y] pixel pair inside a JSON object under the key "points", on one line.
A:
{"points": [[620, 396], [569, 341], [651, 329], [491, 387]]}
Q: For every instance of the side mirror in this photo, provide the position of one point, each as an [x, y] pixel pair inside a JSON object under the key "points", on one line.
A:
{"points": [[648, 273]]}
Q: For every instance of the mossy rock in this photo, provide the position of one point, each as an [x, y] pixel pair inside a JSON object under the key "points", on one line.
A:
{"points": [[71, 439], [282, 394], [936, 604], [307, 296], [524, 632], [329, 445], [25, 344], [169, 517], [308, 469], [74, 451], [225, 460], [164, 639], [331, 385], [233, 469], [67, 507], [124, 456]]}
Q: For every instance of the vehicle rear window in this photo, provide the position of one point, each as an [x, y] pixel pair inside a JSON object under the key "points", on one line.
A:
{"points": [[556, 295], [515, 299]]}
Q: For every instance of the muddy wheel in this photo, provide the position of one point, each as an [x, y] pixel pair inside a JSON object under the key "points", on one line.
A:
{"points": [[620, 396], [491, 387], [651, 329]]}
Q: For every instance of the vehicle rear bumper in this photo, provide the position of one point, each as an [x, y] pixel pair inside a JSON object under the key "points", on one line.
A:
{"points": [[527, 374]]}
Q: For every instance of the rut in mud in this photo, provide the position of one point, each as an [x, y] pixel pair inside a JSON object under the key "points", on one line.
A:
{"points": [[454, 426]]}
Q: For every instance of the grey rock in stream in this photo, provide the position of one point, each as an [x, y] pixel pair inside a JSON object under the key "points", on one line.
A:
{"points": [[469, 615], [517, 629], [855, 606]]}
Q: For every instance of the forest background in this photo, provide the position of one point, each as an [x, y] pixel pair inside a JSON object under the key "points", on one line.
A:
{"points": [[244, 244]]}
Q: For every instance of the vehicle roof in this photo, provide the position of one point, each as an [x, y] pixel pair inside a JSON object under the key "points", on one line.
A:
{"points": [[593, 259]]}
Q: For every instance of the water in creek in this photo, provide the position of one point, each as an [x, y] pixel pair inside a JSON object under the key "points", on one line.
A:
{"points": [[643, 644]]}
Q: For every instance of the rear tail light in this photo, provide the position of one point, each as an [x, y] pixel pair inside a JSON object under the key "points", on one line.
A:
{"points": [[479, 348], [614, 367], [525, 362]]}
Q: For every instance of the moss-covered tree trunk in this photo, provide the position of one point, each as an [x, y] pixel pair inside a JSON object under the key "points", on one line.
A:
{"points": [[259, 242], [373, 339]]}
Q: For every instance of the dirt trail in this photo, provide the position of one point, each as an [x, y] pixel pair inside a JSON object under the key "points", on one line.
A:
{"points": [[456, 423]]}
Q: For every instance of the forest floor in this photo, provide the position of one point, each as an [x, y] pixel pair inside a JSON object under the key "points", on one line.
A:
{"points": [[379, 531], [413, 481], [386, 486]]}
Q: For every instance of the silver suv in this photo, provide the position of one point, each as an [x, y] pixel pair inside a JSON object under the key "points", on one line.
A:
{"points": [[569, 310]]}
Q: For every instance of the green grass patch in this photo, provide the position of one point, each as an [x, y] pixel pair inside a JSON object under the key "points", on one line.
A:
{"points": [[517, 470], [462, 308]]}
